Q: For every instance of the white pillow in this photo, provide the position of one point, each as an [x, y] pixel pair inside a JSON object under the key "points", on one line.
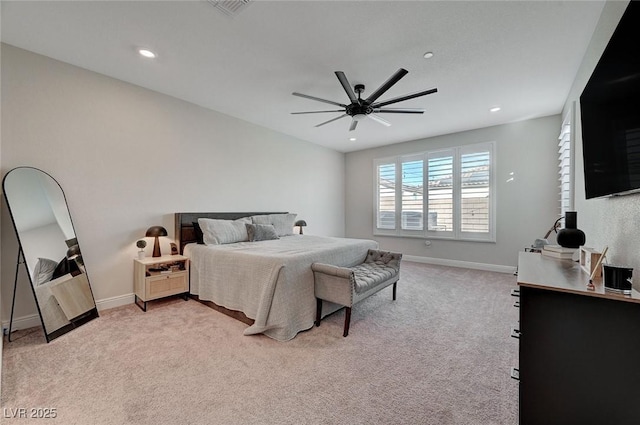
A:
{"points": [[220, 232], [43, 271], [283, 223]]}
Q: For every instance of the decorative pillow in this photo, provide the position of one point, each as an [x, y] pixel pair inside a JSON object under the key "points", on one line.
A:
{"points": [[198, 231], [220, 232], [283, 223], [43, 272], [261, 232]]}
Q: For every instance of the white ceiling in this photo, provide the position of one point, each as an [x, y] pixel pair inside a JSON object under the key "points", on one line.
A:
{"points": [[519, 55]]}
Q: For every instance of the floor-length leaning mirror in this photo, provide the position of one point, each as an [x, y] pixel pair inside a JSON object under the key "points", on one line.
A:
{"points": [[49, 250]]}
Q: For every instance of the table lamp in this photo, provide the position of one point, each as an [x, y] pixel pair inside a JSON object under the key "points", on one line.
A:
{"points": [[73, 253], [156, 232], [300, 224]]}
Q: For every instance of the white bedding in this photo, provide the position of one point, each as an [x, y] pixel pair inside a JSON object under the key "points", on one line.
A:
{"points": [[270, 281]]}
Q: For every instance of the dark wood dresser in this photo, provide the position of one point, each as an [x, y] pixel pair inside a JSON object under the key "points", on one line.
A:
{"points": [[579, 349]]}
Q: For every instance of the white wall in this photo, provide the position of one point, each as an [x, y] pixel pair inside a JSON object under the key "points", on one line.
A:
{"points": [[128, 158], [526, 206], [612, 222]]}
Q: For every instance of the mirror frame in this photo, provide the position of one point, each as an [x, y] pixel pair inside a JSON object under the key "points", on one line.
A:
{"points": [[85, 317]]}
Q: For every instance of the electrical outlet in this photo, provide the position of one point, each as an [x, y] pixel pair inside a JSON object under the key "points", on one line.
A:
{"points": [[5, 331]]}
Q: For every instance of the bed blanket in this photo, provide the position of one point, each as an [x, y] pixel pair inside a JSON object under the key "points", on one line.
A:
{"points": [[270, 281]]}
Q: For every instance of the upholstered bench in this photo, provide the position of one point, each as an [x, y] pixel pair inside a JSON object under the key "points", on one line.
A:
{"points": [[348, 285]]}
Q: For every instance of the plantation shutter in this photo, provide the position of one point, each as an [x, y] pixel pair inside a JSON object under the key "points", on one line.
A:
{"points": [[564, 168], [440, 191], [412, 195], [475, 192], [386, 208], [444, 194]]}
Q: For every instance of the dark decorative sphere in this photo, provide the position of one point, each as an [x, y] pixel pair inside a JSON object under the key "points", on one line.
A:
{"points": [[571, 238]]}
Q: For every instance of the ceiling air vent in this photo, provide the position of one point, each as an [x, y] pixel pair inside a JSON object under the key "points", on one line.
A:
{"points": [[230, 8]]}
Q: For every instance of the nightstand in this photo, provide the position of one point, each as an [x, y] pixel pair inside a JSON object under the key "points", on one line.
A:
{"points": [[159, 277]]}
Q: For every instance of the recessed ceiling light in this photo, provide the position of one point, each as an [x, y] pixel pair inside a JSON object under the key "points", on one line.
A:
{"points": [[147, 53], [494, 109], [352, 139], [428, 55]]}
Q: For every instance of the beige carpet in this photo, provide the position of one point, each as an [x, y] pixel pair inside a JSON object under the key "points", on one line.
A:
{"points": [[440, 354]]}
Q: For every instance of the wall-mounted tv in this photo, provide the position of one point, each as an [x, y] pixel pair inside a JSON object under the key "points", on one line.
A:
{"points": [[610, 109]]}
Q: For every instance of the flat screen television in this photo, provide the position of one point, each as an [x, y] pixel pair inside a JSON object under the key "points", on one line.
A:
{"points": [[610, 109]]}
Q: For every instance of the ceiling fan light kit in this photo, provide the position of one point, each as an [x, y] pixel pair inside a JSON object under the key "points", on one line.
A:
{"points": [[359, 117], [359, 108]]}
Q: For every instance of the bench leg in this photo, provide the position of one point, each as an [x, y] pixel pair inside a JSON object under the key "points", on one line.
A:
{"points": [[318, 311], [347, 321], [394, 290]]}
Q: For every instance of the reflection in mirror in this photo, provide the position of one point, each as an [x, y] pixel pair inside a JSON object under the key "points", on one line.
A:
{"points": [[50, 249]]}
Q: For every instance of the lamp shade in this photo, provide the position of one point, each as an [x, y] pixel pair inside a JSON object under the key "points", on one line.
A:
{"points": [[301, 224], [73, 251], [156, 232]]}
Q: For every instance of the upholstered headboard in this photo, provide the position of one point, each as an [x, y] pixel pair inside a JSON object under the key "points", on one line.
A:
{"points": [[185, 232]]}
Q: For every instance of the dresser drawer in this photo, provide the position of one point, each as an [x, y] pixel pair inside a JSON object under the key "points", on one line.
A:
{"points": [[165, 285]]}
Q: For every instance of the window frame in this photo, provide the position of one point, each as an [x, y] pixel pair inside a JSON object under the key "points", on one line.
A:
{"points": [[456, 234]]}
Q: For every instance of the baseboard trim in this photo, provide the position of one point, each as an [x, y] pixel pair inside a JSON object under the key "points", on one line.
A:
{"points": [[24, 322], [458, 263], [33, 320], [114, 302]]}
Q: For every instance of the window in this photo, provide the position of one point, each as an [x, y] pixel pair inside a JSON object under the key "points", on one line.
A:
{"points": [[412, 194], [452, 188], [475, 196], [440, 192], [386, 206], [565, 166]]}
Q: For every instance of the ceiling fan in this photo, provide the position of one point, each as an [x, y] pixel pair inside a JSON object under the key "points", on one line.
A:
{"points": [[360, 109]]}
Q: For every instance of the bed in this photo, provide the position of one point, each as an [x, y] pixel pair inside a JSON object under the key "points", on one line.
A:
{"points": [[270, 282]]}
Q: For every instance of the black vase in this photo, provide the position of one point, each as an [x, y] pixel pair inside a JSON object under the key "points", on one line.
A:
{"points": [[571, 236]]}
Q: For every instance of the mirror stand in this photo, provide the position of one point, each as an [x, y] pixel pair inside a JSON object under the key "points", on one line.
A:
{"points": [[19, 261], [40, 215], [86, 317]]}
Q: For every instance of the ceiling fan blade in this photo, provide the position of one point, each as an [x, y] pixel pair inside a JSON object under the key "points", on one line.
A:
{"points": [[387, 85], [380, 120], [405, 97], [332, 120], [319, 99], [316, 112], [346, 86], [353, 126], [399, 111]]}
